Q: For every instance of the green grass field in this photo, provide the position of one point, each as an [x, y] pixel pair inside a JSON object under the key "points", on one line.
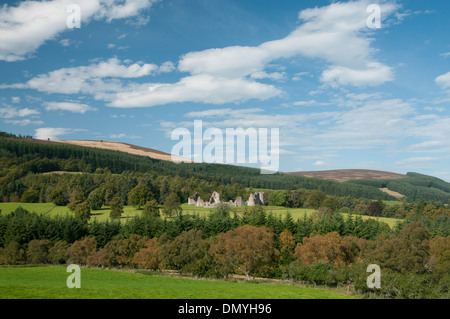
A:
{"points": [[129, 211], [50, 283]]}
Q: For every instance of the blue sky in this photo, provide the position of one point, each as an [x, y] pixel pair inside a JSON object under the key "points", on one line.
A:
{"points": [[342, 94]]}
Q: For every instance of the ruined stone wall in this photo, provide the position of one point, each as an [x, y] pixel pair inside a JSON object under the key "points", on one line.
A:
{"points": [[254, 199]]}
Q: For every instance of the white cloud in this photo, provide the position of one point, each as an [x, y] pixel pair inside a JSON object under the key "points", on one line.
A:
{"points": [[122, 135], [197, 88], [111, 9], [15, 99], [336, 34], [416, 162], [222, 113], [443, 80], [373, 73], [10, 112], [24, 122], [275, 76], [27, 26], [167, 67], [319, 163], [94, 78], [310, 103], [298, 76], [65, 42], [376, 123], [52, 133], [68, 106]]}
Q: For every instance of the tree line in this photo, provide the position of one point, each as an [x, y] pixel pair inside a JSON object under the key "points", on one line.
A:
{"points": [[20, 157], [414, 263]]}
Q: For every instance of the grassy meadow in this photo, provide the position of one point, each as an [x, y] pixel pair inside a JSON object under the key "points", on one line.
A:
{"points": [[129, 211], [50, 283]]}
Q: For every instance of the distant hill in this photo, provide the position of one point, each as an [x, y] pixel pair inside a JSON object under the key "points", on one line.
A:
{"points": [[116, 146], [124, 147], [343, 175], [414, 186], [43, 156]]}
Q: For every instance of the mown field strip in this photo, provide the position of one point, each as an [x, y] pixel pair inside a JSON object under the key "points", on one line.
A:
{"points": [[50, 283]]}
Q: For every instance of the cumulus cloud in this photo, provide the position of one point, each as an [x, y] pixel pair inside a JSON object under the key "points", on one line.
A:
{"points": [[372, 74], [24, 122], [15, 99], [198, 88], [123, 135], [11, 112], [336, 34], [68, 106], [94, 78], [52, 133], [443, 80], [27, 26]]}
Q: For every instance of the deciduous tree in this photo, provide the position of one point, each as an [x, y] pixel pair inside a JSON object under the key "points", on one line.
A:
{"points": [[148, 257], [246, 249], [139, 195], [326, 248], [172, 205], [116, 206], [38, 251]]}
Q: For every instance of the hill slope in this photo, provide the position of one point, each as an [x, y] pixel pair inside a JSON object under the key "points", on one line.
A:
{"points": [[38, 156], [343, 175], [118, 146]]}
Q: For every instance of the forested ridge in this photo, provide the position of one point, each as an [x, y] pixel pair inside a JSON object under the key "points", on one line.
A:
{"points": [[415, 187], [24, 156]]}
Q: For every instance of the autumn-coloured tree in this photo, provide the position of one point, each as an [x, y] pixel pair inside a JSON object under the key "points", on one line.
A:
{"points": [[375, 209], [185, 249], [246, 249], [407, 252], [118, 252], [13, 254], [37, 252], [354, 249], [148, 257], [440, 254], [326, 248], [287, 246], [105, 257], [127, 248], [441, 212], [80, 251], [58, 254]]}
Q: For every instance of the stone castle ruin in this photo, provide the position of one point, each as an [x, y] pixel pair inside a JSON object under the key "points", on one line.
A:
{"points": [[254, 199]]}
